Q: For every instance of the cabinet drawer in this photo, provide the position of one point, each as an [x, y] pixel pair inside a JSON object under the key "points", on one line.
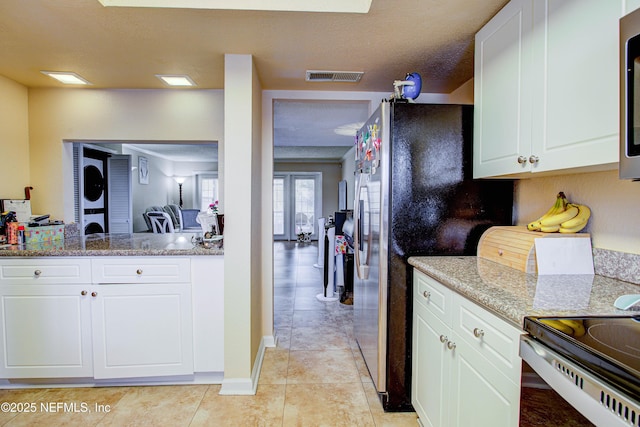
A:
{"points": [[494, 338], [434, 296], [141, 270], [45, 271]]}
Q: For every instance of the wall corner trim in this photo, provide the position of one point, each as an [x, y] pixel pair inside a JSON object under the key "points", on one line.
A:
{"points": [[248, 386]]}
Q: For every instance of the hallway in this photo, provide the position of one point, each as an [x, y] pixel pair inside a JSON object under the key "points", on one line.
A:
{"points": [[317, 357], [315, 376]]}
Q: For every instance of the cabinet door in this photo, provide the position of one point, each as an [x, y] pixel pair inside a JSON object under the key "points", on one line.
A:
{"points": [[575, 96], [430, 368], [630, 6], [142, 330], [46, 331], [495, 339], [502, 92], [481, 394]]}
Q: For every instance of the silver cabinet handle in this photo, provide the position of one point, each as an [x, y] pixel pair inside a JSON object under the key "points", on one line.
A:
{"points": [[443, 339], [478, 333], [37, 273], [451, 345], [533, 159], [426, 294], [139, 272], [522, 159]]}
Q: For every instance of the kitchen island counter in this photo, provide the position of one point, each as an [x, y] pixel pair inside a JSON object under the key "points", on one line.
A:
{"points": [[512, 294], [136, 244]]}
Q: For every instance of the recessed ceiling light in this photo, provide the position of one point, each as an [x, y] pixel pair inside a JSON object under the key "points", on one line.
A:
{"points": [[66, 78], [176, 80]]}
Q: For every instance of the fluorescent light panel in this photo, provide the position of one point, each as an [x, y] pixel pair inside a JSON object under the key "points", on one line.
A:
{"points": [[176, 80], [338, 6], [66, 78]]}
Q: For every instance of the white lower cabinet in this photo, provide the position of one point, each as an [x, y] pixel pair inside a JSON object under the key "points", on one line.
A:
{"points": [[466, 368], [142, 331], [134, 317], [46, 331]]}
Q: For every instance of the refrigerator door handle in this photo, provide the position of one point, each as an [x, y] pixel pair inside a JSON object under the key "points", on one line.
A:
{"points": [[361, 270]]}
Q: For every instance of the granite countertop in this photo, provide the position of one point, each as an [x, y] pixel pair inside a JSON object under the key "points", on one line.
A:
{"points": [[136, 244], [512, 294]]}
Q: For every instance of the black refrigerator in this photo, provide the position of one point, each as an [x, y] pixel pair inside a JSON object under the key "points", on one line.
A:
{"points": [[414, 195]]}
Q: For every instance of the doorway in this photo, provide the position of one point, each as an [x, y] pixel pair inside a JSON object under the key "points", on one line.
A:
{"points": [[297, 204]]}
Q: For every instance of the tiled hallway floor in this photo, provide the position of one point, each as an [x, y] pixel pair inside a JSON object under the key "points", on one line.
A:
{"points": [[314, 377]]}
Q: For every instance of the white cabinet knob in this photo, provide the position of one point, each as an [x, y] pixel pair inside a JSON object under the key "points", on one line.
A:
{"points": [[478, 333]]}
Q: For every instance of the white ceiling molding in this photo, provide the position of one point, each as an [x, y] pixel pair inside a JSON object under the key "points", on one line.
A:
{"points": [[337, 6]]}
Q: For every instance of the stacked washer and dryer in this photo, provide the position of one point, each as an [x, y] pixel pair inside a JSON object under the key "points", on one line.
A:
{"points": [[95, 189]]}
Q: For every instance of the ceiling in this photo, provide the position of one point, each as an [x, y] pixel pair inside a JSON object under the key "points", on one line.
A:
{"points": [[125, 47]]}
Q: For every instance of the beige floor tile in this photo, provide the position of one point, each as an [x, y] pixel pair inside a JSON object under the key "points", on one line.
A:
{"points": [[320, 337], [312, 318], [365, 377], [263, 409], [156, 406], [64, 406], [274, 366], [326, 366], [331, 405], [387, 419]]}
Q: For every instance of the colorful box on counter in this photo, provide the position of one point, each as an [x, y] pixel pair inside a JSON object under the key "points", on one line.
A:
{"points": [[52, 245], [44, 234]]}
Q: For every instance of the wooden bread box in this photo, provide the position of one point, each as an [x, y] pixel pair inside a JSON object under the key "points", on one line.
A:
{"points": [[514, 246]]}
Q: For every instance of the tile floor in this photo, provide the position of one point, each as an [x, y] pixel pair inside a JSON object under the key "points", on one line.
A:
{"points": [[314, 377]]}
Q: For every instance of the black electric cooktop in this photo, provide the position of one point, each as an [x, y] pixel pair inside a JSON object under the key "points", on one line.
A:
{"points": [[608, 347]]}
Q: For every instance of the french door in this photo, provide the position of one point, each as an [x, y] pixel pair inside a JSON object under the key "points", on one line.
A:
{"points": [[297, 204]]}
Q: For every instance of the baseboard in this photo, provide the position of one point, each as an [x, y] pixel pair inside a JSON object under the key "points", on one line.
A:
{"points": [[248, 386], [270, 341]]}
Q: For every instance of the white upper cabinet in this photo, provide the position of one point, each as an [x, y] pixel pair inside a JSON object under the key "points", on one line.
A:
{"points": [[546, 88], [502, 92]]}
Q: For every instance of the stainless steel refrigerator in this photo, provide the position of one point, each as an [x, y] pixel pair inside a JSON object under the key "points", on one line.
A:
{"points": [[414, 196]]}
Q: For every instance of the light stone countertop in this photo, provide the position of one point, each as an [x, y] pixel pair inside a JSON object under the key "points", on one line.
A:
{"points": [[136, 244], [512, 294]]}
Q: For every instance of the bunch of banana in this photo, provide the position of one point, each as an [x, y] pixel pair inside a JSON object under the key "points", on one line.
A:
{"points": [[563, 217], [572, 327], [559, 207]]}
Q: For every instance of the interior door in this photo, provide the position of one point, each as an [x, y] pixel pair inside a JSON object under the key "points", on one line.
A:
{"points": [[119, 211]]}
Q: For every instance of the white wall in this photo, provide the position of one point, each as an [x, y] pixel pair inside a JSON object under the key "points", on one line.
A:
{"points": [[243, 220], [614, 203], [56, 115], [14, 141]]}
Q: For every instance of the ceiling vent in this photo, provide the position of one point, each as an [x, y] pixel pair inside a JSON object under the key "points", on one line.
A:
{"points": [[334, 76]]}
